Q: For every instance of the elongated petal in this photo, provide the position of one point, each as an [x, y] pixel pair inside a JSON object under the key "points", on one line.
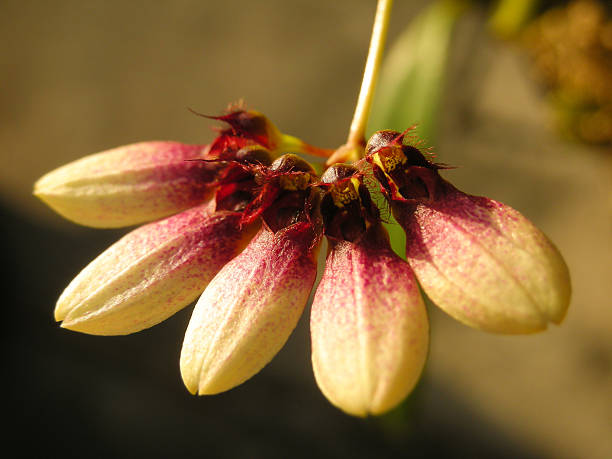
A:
{"points": [[369, 327], [128, 185], [249, 309], [152, 272], [485, 264]]}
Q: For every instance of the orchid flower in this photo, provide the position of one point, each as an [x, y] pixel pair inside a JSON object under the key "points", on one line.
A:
{"points": [[480, 260], [239, 223]]}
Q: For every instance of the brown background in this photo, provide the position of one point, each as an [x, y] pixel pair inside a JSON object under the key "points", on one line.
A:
{"points": [[78, 77]]}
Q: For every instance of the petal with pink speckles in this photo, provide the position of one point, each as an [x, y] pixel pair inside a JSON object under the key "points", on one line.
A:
{"points": [[128, 185], [249, 309], [152, 272], [369, 327], [484, 263]]}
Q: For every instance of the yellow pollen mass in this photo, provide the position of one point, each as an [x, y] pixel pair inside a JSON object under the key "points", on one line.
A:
{"points": [[295, 182], [343, 196], [388, 163], [377, 160], [396, 158], [355, 181]]}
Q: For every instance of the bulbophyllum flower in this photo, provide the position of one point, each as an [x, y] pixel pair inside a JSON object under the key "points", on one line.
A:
{"points": [[240, 222], [480, 260], [252, 305], [368, 324], [129, 185], [157, 269], [152, 272], [147, 181]]}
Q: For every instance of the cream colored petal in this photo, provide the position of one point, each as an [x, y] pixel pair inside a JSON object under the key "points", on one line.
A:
{"points": [[485, 264], [151, 273], [248, 310], [128, 185], [369, 328]]}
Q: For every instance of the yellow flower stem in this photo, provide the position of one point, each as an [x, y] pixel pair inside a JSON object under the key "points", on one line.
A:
{"points": [[370, 74], [354, 148], [292, 143]]}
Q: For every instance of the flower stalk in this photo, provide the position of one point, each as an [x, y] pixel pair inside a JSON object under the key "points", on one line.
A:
{"points": [[353, 149]]}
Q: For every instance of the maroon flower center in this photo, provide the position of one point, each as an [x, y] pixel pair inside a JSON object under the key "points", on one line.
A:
{"points": [[346, 206]]}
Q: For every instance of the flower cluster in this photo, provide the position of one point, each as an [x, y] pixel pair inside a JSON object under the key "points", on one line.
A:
{"points": [[240, 221]]}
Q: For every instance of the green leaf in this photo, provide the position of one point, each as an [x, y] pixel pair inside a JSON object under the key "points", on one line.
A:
{"points": [[413, 73]]}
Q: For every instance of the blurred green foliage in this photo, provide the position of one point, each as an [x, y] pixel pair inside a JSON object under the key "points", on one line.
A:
{"points": [[412, 81]]}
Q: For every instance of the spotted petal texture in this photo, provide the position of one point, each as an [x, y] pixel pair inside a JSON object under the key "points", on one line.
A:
{"points": [[152, 272], [249, 309], [128, 185], [484, 263], [369, 327]]}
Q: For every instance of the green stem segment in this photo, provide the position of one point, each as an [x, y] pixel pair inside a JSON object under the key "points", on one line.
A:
{"points": [[354, 148], [356, 135], [292, 143]]}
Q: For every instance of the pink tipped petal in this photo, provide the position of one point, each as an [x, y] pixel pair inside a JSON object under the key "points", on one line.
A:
{"points": [[151, 273], [369, 327], [128, 185], [249, 310], [485, 264]]}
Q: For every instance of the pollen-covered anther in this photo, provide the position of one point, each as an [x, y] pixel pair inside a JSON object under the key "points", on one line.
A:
{"points": [[343, 195], [404, 171], [385, 168], [346, 205], [343, 184], [294, 174], [389, 159], [295, 182]]}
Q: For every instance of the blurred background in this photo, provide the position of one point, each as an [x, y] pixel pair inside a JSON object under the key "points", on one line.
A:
{"points": [[520, 106]]}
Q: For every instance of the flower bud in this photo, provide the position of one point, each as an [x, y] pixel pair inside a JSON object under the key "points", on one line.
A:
{"points": [[253, 125], [128, 185], [368, 326], [484, 263], [152, 272], [249, 309]]}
